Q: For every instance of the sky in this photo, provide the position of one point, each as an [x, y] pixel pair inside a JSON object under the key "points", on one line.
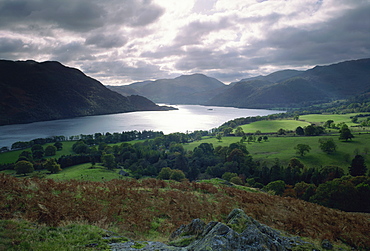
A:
{"points": [[122, 41]]}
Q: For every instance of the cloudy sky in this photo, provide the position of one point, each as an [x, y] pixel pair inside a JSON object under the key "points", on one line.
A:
{"points": [[124, 41]]}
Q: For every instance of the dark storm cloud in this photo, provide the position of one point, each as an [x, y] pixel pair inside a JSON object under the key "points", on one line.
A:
{"points": [[106, 41], [81, 15], [345, 37], [71, 52], [67, 14], [120, 40], [9, 45]]}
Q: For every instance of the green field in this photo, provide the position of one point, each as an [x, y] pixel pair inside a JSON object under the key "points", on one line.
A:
{"points": [[337, 118], [276, 147], [283, 149], [12, 156], [85, 172], [78, 172], [268, 126]]}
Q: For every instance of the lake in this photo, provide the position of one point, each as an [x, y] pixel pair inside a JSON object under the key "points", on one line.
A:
{"points": [[187, 118]]}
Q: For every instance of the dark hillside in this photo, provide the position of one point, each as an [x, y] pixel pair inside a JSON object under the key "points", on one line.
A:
{"points": [[189, 89], [342, 80], [31, 91], [277, 76], [288, 89]]}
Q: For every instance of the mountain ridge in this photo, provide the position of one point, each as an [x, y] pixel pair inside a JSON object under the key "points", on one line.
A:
{"points": [[31, 91], [314, 86], [185, 89], [281, 89]]}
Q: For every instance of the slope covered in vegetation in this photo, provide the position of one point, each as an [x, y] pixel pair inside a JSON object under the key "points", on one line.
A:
{"points": [[32, 91], [152, 208]]}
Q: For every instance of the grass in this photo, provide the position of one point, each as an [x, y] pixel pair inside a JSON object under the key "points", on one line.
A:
{"points": [[282, 147], [220, 182], [136, 208], [21, 235], [12, 156], [337, 118], [268, 126], [85, 172]]}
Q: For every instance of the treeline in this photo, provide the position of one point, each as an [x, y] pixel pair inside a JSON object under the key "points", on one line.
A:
{"points": [[19, 145], [247, 120], [91, 139], [165, 157], [353, 105]]}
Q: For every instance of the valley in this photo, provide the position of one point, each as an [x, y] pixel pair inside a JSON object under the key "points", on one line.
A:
{"points": [[280, 168]]}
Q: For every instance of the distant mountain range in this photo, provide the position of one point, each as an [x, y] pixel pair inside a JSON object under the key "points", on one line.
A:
{"points": [[281, 89], [186, 89], [32, 91]]}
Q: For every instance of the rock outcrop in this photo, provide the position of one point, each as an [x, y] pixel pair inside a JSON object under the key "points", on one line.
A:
{"points": [[241, 232]]}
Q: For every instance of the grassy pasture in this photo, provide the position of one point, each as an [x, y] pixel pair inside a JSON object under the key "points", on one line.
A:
{"points": [[12, 156], [267, 126], [85, 172], [337, 118], [283, 149]]}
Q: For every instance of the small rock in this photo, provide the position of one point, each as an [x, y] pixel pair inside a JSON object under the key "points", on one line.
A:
{"points": [[326, 244]]}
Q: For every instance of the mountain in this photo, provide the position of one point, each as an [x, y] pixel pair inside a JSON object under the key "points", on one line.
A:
{"points": [[186, 89], [32, 91], [273, 77], [286, 89]]}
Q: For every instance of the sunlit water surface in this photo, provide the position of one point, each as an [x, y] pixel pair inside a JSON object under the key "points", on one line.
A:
{"points": [[187, 118]]}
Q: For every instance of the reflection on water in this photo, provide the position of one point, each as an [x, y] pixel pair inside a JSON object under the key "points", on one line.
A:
{"points": [[187, 118]]}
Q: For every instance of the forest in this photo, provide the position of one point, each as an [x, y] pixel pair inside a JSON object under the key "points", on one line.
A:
{"points": [[153, 154]]}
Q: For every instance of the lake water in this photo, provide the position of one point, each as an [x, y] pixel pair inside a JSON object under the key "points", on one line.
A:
{"points": [[187, 118]]}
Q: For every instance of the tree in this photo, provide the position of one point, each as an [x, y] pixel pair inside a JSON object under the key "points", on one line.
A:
{"points": [[23, 167], [228, 176], [52, 166], [277, 186], [327, 145], [338, 193], [250, 138], [236, 180], [228, 130], [299, 131], [295, 164], [328, 123], [25, 155], [38, 154], [281, 131], [219, 137], [37, 151], [109, 161], [50, 150], [58, 145], [345, 133], [165, 173], [239, 131], [310, 130], [302, 149], [80, 147], [358, 166], [177, 175]]}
